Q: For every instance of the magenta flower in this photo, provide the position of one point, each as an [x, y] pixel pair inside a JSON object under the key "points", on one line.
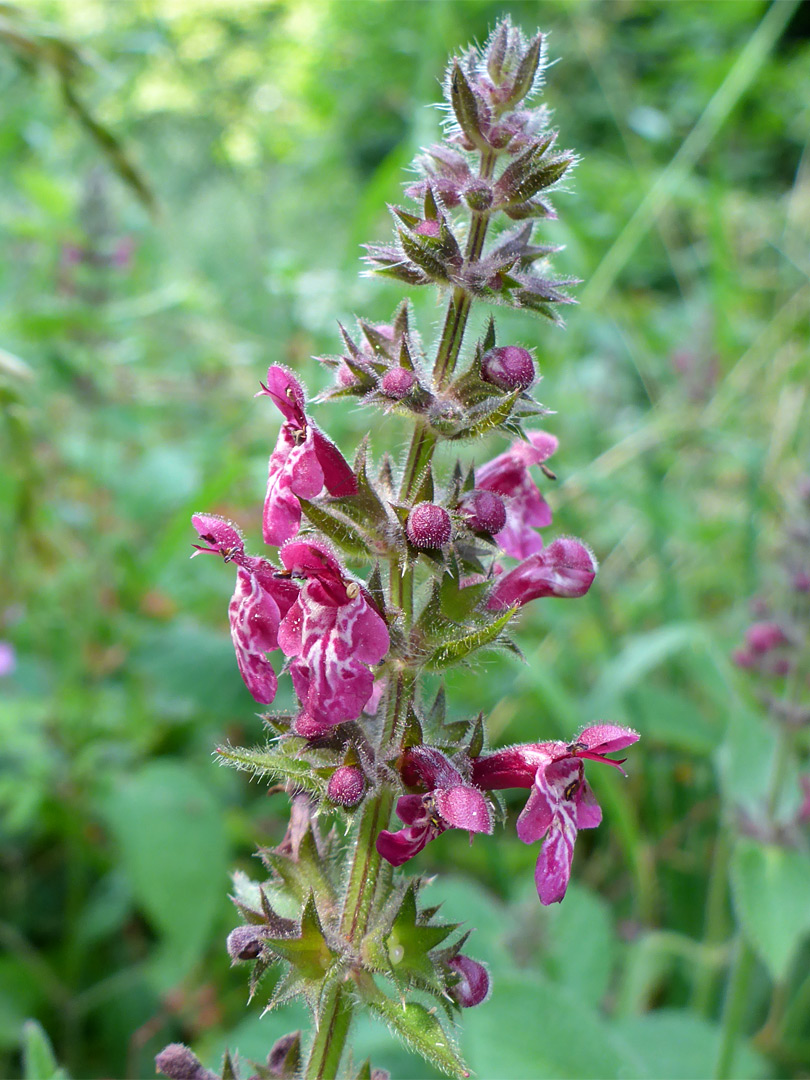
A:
{"points": [[565, 568], [561, 801], [450, 803], [303, 463], [257, 606], [334, 634], [526, 509]]}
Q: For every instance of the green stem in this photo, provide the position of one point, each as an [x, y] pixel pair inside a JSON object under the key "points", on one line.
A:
{"points": [[424, 438], [330, 1037], [715, 922], [734, 1008]]}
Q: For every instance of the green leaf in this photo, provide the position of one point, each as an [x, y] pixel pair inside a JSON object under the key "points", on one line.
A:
{"points": [[39, 1061], [170, 831], [345, 535], [465, 107], [572, 1041], [581, 944], [309, 952], [770, 886], [459, 648], [492, 414], [421, 1030], [679, 1045], [640, 655], [273, 763]]}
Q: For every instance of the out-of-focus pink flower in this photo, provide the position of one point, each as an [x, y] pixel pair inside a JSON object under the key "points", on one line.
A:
{"points": [[761, 637], [565, 568], [803, 815], [257, 606], [526, 509], [450, 803], [561, 801], [334, 634], [303, 462], [8, 659]]}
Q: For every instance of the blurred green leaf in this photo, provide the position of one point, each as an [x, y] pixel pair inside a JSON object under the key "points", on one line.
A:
{"points": [[39, 1062], [581, 946], [531, 1028], [170, 832], [771, 886], [678, 1045]]}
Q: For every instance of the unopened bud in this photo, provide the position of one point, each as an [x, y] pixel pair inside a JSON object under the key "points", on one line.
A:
{"points": [[429, 526], [484, 510], [179, 1063], [397, 382], [473, 985], [478, 195], [509, 367], [801, 581], [284, 1060], [346, 786], [244, 943]]}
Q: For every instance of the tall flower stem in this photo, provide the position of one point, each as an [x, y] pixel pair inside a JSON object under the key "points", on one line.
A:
{"points": [[363, 885]]}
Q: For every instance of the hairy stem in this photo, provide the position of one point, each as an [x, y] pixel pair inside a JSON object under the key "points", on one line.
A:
{"points": [[424, 440], [330, 1037]]}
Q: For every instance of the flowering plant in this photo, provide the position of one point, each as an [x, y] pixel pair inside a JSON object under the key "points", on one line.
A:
{"points": [[362, 743]]}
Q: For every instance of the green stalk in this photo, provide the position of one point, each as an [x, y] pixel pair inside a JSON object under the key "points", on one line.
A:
{"points": [[330, 1036], [424, 439], [734, 1008]]}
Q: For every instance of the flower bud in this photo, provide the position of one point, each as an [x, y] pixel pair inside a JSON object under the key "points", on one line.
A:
{"points": [[478, 195], [284, 1059], [801, 581], [429, 526], [473, 985], [179, 1063], [244, 943], [484, 510], [509, 367], [397, 382], [346, 786]]}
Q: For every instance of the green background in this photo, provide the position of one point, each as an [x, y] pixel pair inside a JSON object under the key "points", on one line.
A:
{"points": [[270, 136]]}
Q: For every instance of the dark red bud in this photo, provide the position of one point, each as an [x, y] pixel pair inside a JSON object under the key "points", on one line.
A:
{"points": [[429, 526], [397, 382], [801, 581], [284, 1060], [179, 1063], [484, 510], [509, 367], [346, 786], [473, 985], [244, 943]]}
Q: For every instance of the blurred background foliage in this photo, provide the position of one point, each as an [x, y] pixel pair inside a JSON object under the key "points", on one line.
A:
{"points": [[183, 188]]}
